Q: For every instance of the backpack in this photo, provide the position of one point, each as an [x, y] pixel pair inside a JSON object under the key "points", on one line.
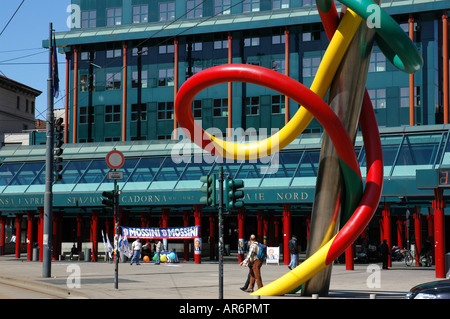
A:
{"points": [[262, 251]]}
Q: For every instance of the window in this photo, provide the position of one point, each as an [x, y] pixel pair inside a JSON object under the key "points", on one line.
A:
{"points": [[163, 49], [278, 39], [32, 107], [278, 105], [279, 66], [140, 13], [166, 77], [113, 81], [112, 113], [252, 105], [135, 80], [251, 42], [88, 19], [306, 3], [220, 107], [113, 16], [222, 7], [167, 11], [113, 53], [404, 96], [280, 4], [193, 70], [86, 114], [220, 44], [196, 46], [141, 51], [310, 66], [165, 111], [377, 62], [197, 108], [378, 97], [250, 6], [84, 82], [194, 8], [135, 109]]}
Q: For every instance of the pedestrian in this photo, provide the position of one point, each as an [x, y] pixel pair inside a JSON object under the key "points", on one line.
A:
{"points": [[384, 251], [249, 264], [255, 272], [73, 251], [136, 248], [158, 249], [293, 250]]}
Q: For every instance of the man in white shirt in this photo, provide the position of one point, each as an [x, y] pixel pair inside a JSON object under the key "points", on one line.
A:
{"points": [[136, 248]]}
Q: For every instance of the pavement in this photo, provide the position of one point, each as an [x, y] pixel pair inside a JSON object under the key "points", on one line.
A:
{"points": [[188, 281]]}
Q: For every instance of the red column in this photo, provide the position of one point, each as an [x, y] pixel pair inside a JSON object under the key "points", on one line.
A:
{"points": [[79, 231], [308, 226], [175, 84], [286, 232], [2, 234], [198, 222], [66, 106], [55, 235], [430, 218], [386, 213], [276, 233], [75, 96], [260, 226], [349, 254], [212, 241], [18, 222], [230, 86], [124, 92], [94, 232], [400, 225], [186, 218], [30, 218], [41, 233], [265, 230], [439, 232], [241, 234], [417, 233], [144, 224], [286, 67], [445, 66]]}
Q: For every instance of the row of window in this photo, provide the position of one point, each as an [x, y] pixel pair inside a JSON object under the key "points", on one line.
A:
{"points": [[165, 110], [29, 106], [166, 11]]}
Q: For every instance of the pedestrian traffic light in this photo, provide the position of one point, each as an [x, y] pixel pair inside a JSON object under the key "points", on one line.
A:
{"points": [[109, 200], [234, 194], [58, 150], [209, 189]]}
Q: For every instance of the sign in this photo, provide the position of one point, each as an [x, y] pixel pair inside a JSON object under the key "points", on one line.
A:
{"points": [[444, 178], [165, 233], [273, 255], [115, 175], [115, 159]]}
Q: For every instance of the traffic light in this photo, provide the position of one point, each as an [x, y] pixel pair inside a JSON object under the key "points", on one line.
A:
{"points": [[58, 150], [209, 189], [233, 194], [109, 200]]}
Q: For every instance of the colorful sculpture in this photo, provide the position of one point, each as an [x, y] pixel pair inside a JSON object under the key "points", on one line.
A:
{"points": [[361, 201]]}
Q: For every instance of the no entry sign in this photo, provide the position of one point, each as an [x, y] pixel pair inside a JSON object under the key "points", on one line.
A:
{"points": [[115, 159]]}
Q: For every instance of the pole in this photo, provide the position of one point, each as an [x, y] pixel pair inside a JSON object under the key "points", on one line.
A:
{"points": [[48, 196], [220, 232], [116, 215]]}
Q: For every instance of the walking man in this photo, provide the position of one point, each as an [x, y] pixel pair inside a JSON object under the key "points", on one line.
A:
{"points": [[255, 272], [293, 250]]}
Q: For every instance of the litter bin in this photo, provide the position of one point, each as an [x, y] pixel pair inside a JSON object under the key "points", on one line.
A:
{"points": [[35, 254], [87, 254], [227, 251]]}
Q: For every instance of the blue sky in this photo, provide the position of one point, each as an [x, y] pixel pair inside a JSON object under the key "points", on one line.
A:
{"points": [[22, 42]]}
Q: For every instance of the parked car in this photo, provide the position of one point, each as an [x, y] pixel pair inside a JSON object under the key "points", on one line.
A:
{"points": [[431, 290]]}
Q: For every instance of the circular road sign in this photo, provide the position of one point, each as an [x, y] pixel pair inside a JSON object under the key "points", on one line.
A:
{"points": [[115, 159]]}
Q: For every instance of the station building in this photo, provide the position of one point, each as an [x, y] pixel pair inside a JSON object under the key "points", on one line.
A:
{"points": [[126, 60]]}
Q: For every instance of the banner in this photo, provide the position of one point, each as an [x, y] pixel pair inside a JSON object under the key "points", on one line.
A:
{"points": [[124, 247], [164, 233]]}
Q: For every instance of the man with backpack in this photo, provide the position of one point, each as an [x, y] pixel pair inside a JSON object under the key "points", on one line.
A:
{"points": [[255, 256]]}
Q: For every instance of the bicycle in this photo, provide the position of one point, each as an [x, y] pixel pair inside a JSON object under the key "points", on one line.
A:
{"points": [[423, 260]]}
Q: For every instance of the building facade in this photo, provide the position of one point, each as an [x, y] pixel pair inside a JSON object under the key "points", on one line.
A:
{"points": [[17, 107]]}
